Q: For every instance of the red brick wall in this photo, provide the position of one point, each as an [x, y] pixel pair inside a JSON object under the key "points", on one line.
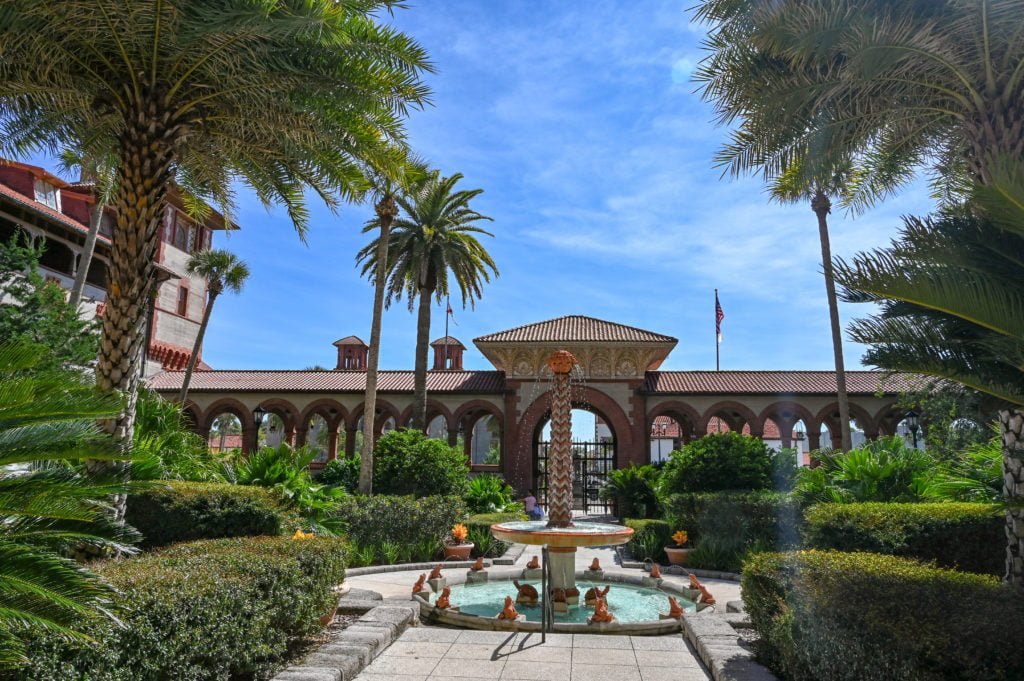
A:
{"points": [[19, 180]]}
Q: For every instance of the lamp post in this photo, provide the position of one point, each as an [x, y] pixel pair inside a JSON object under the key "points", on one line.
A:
{"points": [[257, 420], [913, 425]]}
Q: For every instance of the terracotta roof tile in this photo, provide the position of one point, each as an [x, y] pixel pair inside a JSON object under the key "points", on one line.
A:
{"points": [[47, 212], [349, 340], [773, 382], [330, 381], [448, 340], [575, 329]]}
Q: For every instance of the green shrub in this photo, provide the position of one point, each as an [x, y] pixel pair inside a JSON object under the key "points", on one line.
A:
{"points": [[964, 536], [725, 526], [489, 494], [650, 537], [185, 511], [717, 462], [784, 469], [886, 469], [342, 472], [479, 527], [831, 616], [369, 522], [223, 609], [408, 462], [632, 490]]}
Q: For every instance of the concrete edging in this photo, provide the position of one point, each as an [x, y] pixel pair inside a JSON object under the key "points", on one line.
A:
{"points": [[716, 641]]}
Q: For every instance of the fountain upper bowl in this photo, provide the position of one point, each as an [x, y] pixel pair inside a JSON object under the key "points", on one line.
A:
{"points": [[537, 533]]}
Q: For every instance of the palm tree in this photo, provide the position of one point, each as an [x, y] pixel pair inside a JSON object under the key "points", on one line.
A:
{"points": [[952, 306], [386, 186], [435, 237], [221, 270], [47, 506], [284, 96]]}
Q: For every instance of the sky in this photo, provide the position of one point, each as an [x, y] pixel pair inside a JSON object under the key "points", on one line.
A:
{"points": [[595, 152]]}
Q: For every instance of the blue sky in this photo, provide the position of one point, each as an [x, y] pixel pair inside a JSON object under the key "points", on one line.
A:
{"points": [[580, 122]]}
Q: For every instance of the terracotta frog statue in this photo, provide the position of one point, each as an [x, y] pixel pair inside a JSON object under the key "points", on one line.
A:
{"points": [[418, 586], [601, 613], [509, 611], [436, 572], [675, 610], [443, 601], [478, 565], [534, 563]]}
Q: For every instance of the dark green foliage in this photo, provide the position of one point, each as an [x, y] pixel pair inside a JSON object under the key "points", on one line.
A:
{"points": [[408, 462], [225, 609], [404, 521], [784, 469], [184, 511], [165, 449], [650, 537], [967, 537], [716, 462], [479, 527], [35, 311], [489, 494], [725, 526], [886, 469], [830, 616], [341, 472], [633, 491]]}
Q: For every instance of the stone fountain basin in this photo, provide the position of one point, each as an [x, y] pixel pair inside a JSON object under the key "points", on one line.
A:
{"points": [[537, 533], [653, 627]]}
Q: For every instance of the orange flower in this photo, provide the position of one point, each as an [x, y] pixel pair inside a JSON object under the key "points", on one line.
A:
{"points": [[680, 537], [459, 532], [299, 534]]}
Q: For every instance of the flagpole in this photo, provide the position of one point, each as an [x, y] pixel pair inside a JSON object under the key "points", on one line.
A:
{"points": [[718, 364], [447, 314]]}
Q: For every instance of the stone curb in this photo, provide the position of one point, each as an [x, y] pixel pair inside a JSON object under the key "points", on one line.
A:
{"points": [[677, 570], [511, 555], [342, 658], [718, 645]]}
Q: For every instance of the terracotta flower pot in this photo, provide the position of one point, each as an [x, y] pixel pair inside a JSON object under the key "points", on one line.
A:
{"points": [[458, 551], [676, 555]]}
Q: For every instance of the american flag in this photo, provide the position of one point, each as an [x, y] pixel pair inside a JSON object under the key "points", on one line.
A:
{"points": [[719, 316]]}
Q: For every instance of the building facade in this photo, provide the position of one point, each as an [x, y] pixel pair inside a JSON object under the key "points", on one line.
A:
{"points": [[499, 415], [56, 213]]}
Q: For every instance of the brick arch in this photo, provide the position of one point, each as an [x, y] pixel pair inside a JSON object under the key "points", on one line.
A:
{"points": [[284, 409], [434, 409], [230, 405], [382, 406], [193, 416], [887, 418], [744, 412], [587, 398], [477, 409], [677, 410], [857, 413], [323, 406]]}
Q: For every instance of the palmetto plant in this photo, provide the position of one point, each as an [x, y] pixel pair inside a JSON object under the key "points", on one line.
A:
{"points": [[222, 271], [435, 239], [284, 96], [47, 506]]}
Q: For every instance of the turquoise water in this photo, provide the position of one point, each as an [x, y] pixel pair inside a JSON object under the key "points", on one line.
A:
{"points": [[628, 603]]}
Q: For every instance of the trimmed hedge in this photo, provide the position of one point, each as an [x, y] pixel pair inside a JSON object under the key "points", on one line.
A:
{"points": [[718, 462], [650, 537], [222, 609], [956, 535], [835, 616], [408, 462], [371, 521], [187, 511], [726, 526], [479, 527]]}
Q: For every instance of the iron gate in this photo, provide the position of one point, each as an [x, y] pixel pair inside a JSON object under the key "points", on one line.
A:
{"points": [[591, 462]]}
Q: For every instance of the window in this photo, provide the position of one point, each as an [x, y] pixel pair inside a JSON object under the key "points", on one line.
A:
{"points": [[182, 301], [181, 233], [47, 194]]}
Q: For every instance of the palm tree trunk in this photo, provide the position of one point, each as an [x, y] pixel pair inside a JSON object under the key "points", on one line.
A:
{"points": [[144, 176], [1011, 423], [419, 394], [822, 207], [87, 252], [386, 209], [194, 358]]}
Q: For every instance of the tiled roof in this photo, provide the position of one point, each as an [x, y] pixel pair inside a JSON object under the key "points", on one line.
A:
{"points": [[448, 340], [773, 382], [330, 381], [575, 329], [349, 340], [47, 212]]}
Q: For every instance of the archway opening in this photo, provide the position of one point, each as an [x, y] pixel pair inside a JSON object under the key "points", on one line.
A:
{"points": [[437, 428], [593, 454], [667, 435], [225, 433], [318, 437], [272, 431], [485, 442]]}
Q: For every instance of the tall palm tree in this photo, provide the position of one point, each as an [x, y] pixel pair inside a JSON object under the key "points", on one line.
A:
{"points": [[952, 305], [386, 186], [48, 420], [283, 96], [436, 237], [222, 270]]}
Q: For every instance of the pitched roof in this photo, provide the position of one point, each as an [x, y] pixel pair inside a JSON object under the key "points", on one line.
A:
{"points": [[47, 212], [773, 382], [329, 381], [575, 329], [349, 340], [448, 340]]}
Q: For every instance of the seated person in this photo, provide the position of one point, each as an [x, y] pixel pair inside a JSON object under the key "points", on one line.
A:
{"points": [[532, 508]]}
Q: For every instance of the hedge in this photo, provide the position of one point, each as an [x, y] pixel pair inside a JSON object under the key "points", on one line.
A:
{"points": [[186, 511], [409, 462], [956, 535], [408, 528], [479, 527], [718, 462], [726, 526], [836, 616], [222, 609], [650, 537]]}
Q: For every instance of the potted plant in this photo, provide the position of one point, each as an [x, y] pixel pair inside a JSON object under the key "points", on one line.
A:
{"points": [[455, 544], [680, 553]]}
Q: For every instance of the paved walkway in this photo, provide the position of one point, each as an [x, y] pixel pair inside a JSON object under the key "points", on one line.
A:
{"points": [[424, 653]]}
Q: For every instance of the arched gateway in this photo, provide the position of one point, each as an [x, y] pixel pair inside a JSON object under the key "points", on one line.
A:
{"points": [[497, 414]]}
